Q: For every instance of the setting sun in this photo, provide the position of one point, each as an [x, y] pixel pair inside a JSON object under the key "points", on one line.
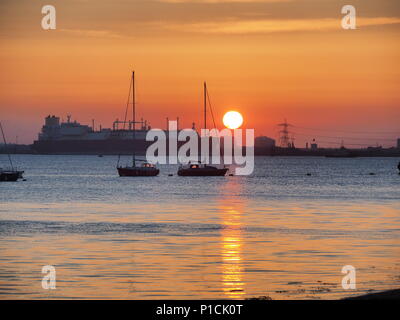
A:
{"points": [[232, 119]]}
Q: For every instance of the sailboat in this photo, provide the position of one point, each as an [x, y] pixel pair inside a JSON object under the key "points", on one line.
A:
{"points": [[9, 174], [146, 169], [198, 169]]}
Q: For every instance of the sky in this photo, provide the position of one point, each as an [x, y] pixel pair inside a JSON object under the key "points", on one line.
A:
{"points": [[268, 59]]}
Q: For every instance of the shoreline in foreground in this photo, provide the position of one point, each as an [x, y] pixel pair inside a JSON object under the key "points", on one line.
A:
{"points": [[383, 295]]}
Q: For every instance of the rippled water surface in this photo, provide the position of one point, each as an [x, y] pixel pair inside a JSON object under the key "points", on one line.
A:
{"points": [[279, 232]]}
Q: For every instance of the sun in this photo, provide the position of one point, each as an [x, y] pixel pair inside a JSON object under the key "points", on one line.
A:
{"points": [[232, 119]]}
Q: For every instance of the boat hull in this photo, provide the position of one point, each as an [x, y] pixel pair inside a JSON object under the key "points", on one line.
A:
{"points": [[9, 176], [137, 172], [202, 172]]}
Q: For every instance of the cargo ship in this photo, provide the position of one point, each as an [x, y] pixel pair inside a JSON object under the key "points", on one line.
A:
{"points": [[71, 137]]}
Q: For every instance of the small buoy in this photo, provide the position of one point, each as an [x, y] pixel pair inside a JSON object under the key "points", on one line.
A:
{"points": [[309, 174], [170, 175], [23, 179], [371, 174]]}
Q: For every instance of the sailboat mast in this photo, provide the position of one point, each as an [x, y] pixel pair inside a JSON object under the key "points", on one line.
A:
{"points": [[205, 105], [5, 145], [133, 116]]}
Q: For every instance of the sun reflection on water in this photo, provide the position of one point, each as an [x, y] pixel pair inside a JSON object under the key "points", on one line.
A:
{"points": [[231, 252]]}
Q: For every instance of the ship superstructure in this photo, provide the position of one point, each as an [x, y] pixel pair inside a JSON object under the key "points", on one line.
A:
{"points": [[73, 130], [73, 137]]}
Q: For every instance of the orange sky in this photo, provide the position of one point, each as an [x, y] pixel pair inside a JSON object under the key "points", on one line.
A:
{"points": [[268, 59]]}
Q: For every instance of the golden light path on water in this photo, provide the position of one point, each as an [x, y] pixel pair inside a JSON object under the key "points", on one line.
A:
{"points": [[231, 246], [232, 269]]}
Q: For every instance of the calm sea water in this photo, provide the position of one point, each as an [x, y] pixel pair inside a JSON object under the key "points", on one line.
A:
{"points": [[278, 232]]}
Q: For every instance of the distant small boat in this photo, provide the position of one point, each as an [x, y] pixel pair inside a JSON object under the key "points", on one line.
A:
{"points": [[197, 169], [201, 170], [9, 174], [146, 169]]}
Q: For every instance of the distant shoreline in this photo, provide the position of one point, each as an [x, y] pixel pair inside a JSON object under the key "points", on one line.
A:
{"points": [[324, 153], [256, 155], [108, 148]]}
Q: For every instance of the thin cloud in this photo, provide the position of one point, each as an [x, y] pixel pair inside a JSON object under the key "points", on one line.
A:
{"points": [[91, 33], [273, 26], [223, 1]]}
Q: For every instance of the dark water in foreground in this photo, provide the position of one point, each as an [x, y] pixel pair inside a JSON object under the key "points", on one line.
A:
{"points": [[278, 232]]}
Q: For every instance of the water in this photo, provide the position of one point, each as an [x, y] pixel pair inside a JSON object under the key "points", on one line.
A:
{"points": [[278, 232]]}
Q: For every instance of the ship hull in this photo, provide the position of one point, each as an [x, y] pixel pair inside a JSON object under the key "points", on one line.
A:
{"points": [[114, 147], [137, 172], [96, 147]]}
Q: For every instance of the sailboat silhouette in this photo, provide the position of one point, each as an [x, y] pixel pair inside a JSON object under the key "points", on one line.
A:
{"points": [[146, 169], [198, 168]]}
